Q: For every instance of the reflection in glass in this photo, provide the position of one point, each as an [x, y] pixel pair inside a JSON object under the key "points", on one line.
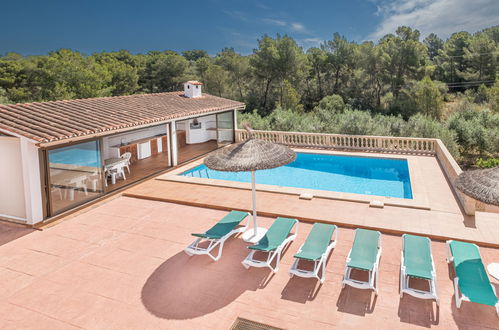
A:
{"points": [[75, 175], [225, 128]]}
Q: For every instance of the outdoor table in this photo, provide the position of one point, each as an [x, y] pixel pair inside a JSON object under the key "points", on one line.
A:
{"points": [[112, 161], [493, 270]]}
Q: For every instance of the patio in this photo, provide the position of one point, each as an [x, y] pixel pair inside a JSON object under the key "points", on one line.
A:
{"points": [[120, 265]]}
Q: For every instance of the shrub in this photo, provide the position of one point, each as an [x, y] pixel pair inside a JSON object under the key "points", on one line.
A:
{"points": [[487, 163]]}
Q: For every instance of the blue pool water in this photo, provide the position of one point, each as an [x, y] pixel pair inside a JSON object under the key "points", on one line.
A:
{"points": [[84, 154], [360, 175]]}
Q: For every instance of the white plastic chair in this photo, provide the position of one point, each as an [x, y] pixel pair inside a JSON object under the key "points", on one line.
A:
{"points": [[127, 156]]}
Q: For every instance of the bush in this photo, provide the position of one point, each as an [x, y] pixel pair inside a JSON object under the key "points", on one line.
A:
{"points": [[487, 163], [426, 127], [477, 131]]}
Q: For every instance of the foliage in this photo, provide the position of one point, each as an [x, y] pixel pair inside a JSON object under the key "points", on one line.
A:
{"points": [[477, 130], [487, 163], [493, 95], [397, 85], [351, 121]]}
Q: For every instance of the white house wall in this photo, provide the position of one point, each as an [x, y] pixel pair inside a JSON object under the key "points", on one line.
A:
{"points": [[32, 181], [127, 137], [12, 195], [202, 134]]}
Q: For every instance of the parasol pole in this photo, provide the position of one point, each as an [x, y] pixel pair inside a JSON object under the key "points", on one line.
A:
{"points": [[253, 191]]}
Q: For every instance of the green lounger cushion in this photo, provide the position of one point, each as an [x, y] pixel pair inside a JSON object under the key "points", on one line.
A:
{"points": [[224, 226], [473, 280], [317, 242], [276, 234], [364, 250], [417, 257]]}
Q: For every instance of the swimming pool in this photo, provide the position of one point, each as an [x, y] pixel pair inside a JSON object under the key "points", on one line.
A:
{"points": [[361, 175]]}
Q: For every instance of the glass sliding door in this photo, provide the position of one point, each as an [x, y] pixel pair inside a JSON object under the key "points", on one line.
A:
{"points": [[75, 175], [225, 128]]}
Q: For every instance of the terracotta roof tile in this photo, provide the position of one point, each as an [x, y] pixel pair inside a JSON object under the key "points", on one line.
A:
{"points": [[60, 120]]}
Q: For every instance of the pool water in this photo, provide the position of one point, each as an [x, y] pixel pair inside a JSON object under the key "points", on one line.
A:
{"points": [[360, 175], [84, 154]]}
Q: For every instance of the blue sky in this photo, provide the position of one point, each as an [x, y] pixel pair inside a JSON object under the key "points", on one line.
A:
{"points": [[36, 27]]}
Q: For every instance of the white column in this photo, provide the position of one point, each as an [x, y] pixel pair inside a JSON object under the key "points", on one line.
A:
{"points": [[31, 181], [168, 144], [173, 139], [235, 119]]}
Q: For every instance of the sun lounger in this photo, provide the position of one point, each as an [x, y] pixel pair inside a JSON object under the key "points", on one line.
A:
{"points": [[316, 248], [274, 241], [471, 282], [417, 262], [364, 255], [217, 235]]}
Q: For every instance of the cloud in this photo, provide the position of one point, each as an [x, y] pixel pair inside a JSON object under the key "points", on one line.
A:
{"points": [[442, 17], [235, 14], [294, 26], [310, 42], [275, 22], [297, 27], [261, 5]]}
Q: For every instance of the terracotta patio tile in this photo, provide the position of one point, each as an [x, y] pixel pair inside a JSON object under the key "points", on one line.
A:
{"points": [[134, 280]]}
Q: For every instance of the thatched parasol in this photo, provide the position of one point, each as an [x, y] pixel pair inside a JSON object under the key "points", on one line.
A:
{"points": [[482, 185], [249, 156]]}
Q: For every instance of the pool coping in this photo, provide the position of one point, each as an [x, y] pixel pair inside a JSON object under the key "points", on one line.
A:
{"points": [[419, 193]]}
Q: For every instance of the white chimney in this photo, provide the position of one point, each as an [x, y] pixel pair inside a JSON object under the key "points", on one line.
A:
{"points": [[192, 89]]}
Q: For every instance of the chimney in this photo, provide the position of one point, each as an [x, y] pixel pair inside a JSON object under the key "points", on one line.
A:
{"points": [[192, 89]]}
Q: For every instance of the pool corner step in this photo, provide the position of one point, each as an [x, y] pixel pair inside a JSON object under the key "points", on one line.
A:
{"points": [[377, 204], [306, 196]]}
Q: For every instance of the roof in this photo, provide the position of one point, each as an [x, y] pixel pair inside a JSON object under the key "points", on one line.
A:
{"points": [[194, 82], [53, 121]]}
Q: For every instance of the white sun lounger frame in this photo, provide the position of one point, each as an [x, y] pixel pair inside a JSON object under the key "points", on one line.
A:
{"points": [[404, 279], [318, 264], [458, 295], [249, 261], [372, 282], [195, 249]]}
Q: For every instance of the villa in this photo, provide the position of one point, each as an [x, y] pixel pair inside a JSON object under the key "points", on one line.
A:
{"points": [[61, 154], [360, 228]]}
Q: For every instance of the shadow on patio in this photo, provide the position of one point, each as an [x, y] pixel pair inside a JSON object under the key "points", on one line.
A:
{"points": [[12, 231], [186, 287]]}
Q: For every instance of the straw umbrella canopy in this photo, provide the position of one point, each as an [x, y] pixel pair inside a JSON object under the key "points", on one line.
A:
{"points": [[482, 185], [249, 156]]}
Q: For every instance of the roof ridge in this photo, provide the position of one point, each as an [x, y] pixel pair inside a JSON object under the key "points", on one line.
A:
{"points": [[95, 98]]}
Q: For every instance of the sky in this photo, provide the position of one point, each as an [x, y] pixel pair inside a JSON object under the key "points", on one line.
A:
{"points": [[33, 27]]}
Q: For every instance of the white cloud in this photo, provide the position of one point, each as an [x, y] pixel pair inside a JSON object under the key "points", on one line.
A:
{"points": [[442, 17], [297, 27], [310, 42], [275, 22], [294, 26]]}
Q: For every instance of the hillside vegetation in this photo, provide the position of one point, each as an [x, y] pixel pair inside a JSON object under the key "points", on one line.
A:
{"points": [[400, 85]]}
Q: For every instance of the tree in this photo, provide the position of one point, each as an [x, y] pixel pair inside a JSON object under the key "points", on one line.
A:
{"points": [[434, 44], [290, 99], [163, 72], [194, 54], [124, 76], [428, 98], [340, 61], [238, 70], [317, 59], [452, 58], [404, 58], [481, 58], [274, 61], [216, 79], [493, 95]]}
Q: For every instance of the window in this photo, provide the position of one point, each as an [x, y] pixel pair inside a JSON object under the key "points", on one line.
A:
{"points": [[75, 175]]}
